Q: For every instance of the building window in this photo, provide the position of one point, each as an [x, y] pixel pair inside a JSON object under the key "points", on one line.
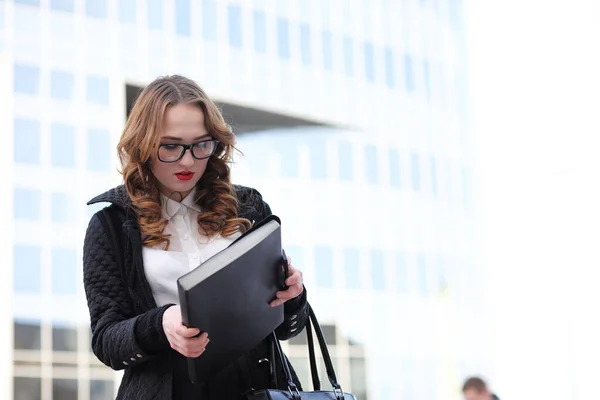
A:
{"points": [[96, 8], [98, 150], [234, 13], [394, 159], [127, 11], [345, 160], [330, 334], [389, 67], [182, 18], [296, 254], [415, 172], [318, 159], [27, 269], [288, 154], [456, 13], [62, 5], [377, 270], [258, 165], [305, 53], [64, 271], [401, 273], [64, 338], [434, 180], [301, 364], [422, 274], [102, 390], [26, 204], [97, 88], [62, 145], [369, 56], [283, 38], [61, 210], [27, 335], [260, 31], [26, 388], [409, 74], [64, 389], [26, 79], [352, 268], [427, 79], [26, 141], [155, 13], [324, 266], [299, 340], [62, 85], [28, 2], [371, 163], [348, 56], [358, 373], [209, 20], [327, 43]]}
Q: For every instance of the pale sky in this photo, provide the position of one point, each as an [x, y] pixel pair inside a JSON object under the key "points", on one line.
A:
{"points": [[535, 103]]}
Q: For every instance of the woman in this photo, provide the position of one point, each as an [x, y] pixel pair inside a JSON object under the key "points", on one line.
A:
{"points": [[177, 207]]}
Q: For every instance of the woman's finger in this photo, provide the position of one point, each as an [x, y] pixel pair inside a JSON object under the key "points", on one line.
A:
{"points": [[294, 279]]}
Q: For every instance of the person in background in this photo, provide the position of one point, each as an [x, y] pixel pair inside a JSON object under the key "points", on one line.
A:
{"points": [[176, 208], [475, 388]]}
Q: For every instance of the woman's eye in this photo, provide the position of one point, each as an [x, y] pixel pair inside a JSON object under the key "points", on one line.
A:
{"points": [[171, 147]]}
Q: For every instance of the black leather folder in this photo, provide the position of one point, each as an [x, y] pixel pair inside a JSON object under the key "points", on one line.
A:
{"points": [[228, 296]]}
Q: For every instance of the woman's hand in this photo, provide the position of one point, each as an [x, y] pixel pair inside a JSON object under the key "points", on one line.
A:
{"points": [[181, 338], [294, 283]]}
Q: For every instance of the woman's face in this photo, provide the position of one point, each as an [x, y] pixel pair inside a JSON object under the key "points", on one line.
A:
{"points": [[183, 124]]}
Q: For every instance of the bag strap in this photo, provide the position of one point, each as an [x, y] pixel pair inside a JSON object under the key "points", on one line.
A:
{"points": [[292, 388], [324, 351], [313, 361], [272, 364]]}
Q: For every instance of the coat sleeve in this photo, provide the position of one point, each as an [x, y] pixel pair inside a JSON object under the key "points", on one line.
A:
{"points": [[295, 310], [120, 339]]}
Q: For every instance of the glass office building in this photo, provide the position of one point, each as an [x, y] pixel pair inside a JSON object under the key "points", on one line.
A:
{"points": [[351, 119]]}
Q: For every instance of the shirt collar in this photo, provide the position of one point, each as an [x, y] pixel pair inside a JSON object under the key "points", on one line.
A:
{"points": [[170, 207]]}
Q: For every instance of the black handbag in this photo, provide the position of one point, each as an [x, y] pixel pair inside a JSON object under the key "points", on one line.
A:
{"points": [[292, 392]]}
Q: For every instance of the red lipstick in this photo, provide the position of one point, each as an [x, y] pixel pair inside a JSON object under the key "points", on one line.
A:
{"points": [[184, 175]]}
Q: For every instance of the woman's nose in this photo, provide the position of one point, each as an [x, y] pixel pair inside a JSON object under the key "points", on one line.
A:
{"points": [[187, 159]]}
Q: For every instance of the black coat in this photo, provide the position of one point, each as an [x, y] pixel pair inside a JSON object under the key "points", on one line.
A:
{"points": [[126, 323]]}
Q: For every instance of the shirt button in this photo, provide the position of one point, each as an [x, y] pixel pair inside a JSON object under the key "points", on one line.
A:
{"points": [[186, 237], [195, 256]]}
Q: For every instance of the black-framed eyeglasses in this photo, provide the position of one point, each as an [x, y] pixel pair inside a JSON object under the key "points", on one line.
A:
{"points": [[169, 153]]}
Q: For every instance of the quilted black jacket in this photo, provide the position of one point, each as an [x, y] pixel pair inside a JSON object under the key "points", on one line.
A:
{"points": [[127, 324]]}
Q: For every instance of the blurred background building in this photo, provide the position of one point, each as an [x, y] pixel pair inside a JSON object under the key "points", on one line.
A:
{"points": [[351, 117]]}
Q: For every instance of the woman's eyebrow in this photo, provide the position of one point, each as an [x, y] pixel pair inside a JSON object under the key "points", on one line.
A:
{"points": [[178, 138]]}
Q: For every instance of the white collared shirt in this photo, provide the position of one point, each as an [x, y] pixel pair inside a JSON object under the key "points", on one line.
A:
{"points": [[188, 249]]}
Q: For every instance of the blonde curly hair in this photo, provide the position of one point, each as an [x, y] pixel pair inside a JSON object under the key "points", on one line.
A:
{"points": [[139, 143]]}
